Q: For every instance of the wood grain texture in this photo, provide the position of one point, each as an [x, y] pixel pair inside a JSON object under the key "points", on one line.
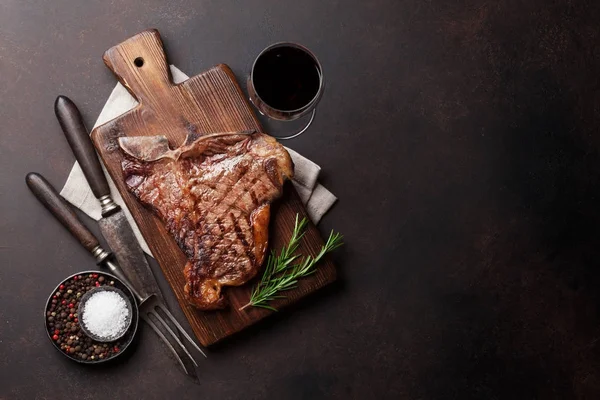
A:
{"points": [[209, 102], [62, 211], [77, 135]]}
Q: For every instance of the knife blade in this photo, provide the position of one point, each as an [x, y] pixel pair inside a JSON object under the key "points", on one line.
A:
{"points": [[114, 225]]}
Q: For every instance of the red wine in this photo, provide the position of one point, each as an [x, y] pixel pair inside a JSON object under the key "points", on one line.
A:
{"points": [[286, 78]]}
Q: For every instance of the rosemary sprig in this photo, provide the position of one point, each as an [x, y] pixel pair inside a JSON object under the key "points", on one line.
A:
{"points": [[281, 273]]}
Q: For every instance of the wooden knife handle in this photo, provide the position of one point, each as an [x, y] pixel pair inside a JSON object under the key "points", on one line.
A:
{"points": [[53, 201], [79, 139], [140, 64]]}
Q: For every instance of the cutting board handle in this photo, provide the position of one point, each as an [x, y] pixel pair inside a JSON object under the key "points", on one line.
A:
{"points": [[141, 66]]}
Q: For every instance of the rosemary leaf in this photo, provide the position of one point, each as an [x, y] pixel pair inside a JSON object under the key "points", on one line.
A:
{"points": [[283, 271]]}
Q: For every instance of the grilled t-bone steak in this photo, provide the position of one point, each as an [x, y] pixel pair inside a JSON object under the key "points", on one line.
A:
{"points": [[213, 194]]}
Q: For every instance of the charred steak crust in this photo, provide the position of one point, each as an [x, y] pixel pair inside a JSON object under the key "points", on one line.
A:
{"points": [[213, 194]]}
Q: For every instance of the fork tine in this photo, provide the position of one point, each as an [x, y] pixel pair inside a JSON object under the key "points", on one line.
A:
{"points": [[173, 334], [170, 347], [179, 327]]}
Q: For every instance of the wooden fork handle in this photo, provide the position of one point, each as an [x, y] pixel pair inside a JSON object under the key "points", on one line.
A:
{"points": [[53, 201]]}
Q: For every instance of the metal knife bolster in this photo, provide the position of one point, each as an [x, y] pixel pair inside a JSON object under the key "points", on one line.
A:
{"points": [[122, 241], [108, 205]]}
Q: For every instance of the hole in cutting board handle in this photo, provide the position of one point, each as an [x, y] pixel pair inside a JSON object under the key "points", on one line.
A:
{"points": [[139, 62]]}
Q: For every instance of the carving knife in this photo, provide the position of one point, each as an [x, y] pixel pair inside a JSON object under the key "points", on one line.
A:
{"points": [[114, 225]]}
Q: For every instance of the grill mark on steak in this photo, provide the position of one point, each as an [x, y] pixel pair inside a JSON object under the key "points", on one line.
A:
{"points": [[245, 189], [213, 194], [271, 169], [238, 231], [223, 241]]}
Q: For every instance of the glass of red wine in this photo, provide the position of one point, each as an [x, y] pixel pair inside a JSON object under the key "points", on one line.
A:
{"points": [[286, 83]]}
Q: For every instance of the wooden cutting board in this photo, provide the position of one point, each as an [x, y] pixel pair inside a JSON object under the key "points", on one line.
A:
{"points": [[209, 102]]}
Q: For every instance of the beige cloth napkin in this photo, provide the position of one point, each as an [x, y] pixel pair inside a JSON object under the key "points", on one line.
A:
{"points": [[76, 191]]}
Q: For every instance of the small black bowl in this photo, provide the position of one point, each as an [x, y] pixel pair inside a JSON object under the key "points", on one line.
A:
{"points": [[81, 309], [124, 341]]}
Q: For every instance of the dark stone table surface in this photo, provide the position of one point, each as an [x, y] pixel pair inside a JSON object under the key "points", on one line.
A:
{"points": [[462, 139]]}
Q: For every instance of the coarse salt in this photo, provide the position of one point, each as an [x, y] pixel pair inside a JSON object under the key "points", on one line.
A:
{"points": [[105, 314]]}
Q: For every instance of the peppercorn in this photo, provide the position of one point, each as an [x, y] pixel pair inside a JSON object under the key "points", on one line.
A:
{"points": [[63, 323]]}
